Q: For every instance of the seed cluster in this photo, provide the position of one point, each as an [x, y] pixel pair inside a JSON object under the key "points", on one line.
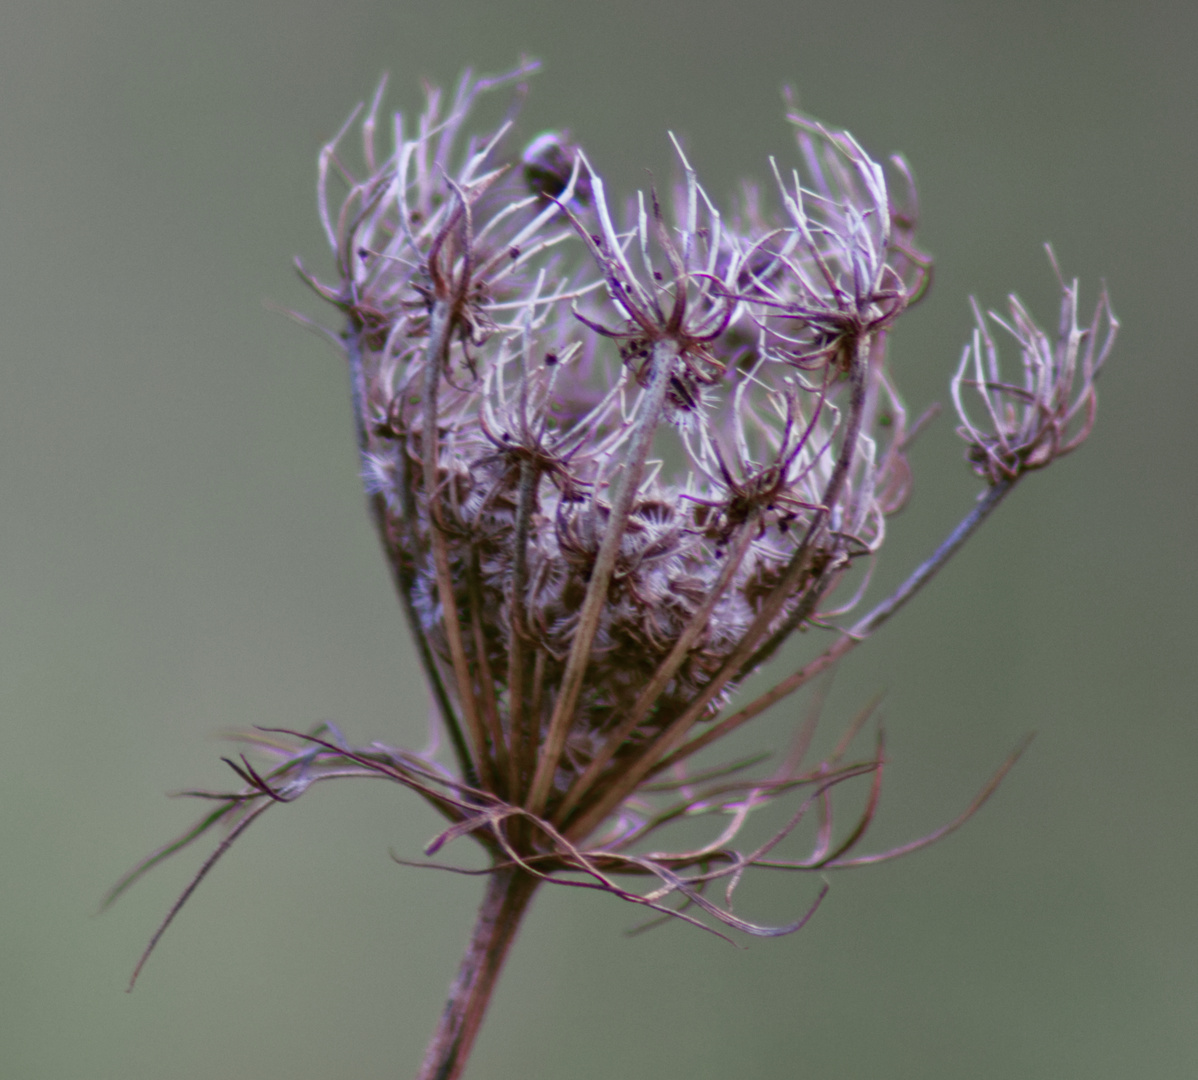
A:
{"points": [[707, 393], [615, 465]]}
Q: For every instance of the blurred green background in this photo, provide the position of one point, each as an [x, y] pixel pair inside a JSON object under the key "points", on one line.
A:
{"points": [[185, 550]]}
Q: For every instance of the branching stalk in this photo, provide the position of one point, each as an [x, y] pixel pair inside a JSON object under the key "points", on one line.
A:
{"points": [[400, 571], [518, 718], [861, 630], [439, 330], [661, 366], [666, 671], [640, 767]]}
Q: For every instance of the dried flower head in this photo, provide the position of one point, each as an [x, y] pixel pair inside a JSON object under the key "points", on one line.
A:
{"points": [[615, 461], [523, 367], [1050, 411]]}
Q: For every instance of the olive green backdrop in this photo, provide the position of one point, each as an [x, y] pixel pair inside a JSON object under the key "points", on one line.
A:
{"points": [[183, 549]]}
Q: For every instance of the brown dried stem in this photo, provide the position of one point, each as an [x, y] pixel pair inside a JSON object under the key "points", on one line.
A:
{"points": [[661, 677], [401, 572], [861, 630], [509, 892], [440, 327], [661, 366], [519, 761], [639, 767]]}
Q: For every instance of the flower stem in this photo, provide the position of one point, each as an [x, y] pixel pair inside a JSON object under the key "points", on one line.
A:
{"points": [[508, 894], [623, 493], [440, 327], [860, 631]]}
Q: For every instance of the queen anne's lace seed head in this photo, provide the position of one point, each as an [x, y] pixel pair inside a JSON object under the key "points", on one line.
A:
{"points": [[616, 460], [774, 451]]}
